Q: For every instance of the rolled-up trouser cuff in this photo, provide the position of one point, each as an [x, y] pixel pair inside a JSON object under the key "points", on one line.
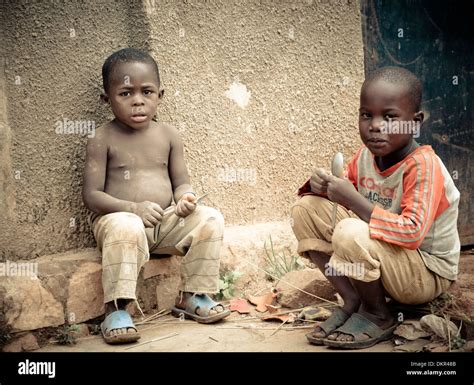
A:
{"points": [[313, 244]]}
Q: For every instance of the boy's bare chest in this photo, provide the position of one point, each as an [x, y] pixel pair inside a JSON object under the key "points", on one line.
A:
{"points": [[138, 153]]}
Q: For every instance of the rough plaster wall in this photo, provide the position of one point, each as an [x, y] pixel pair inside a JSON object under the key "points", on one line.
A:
{"points": [[302, 62], [57, 50]]}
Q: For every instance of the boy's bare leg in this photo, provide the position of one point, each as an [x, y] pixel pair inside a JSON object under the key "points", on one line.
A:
{"points": [[373, 307], [342, 285], [110, 308]]}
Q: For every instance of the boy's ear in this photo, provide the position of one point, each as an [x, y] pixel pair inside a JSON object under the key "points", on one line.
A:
{"points": [[105, 98], [419, 116], [161, 93]]}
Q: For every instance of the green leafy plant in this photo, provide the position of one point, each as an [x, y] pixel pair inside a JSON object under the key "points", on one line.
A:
{"points": [[278, 264], [457, 342], [227, 284], [67, 335]]}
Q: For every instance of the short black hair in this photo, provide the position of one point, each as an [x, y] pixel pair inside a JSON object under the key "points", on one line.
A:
{"points": [[126, 55], [399, 75]]}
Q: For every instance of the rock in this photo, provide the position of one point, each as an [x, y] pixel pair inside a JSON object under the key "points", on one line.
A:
{"points": [[167, 291], [309, 280], [24, 343], [411, 330], [55, 271], [163, 266], [439, 326], [27, 305], [158, 283], [85, 294]]}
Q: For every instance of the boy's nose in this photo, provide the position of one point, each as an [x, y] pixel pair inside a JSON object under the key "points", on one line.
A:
{"points": [[375, 125], [138, 101]]}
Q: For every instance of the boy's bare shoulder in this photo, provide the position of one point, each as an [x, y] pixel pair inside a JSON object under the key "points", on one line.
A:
{"points": [[168, 129], [103, 132]]}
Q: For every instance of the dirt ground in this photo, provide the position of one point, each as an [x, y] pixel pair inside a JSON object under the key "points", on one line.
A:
{"points": [[238, 334], [227, 336]]}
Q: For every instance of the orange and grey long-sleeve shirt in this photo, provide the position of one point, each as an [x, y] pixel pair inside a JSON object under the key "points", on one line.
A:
{"points": [[416, 205]]}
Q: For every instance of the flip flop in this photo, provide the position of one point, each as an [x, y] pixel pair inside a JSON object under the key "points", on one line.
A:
{"points": [[203, 302], [359, 327], [119, 319], [337, 318]]}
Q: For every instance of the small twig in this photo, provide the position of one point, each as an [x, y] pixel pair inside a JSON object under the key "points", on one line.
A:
{"points": [[265, 328], [177, 322], [160, 314], [153, 340], [213, 339], [279, 327]]}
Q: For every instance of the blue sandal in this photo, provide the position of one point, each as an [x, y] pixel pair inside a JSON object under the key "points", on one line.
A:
{"points": [[200, 302], [119, 319]]}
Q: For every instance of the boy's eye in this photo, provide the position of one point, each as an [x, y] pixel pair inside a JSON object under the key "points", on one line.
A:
{"points": [[390, 116], [126, 93], [147, 92], [365, 115]]}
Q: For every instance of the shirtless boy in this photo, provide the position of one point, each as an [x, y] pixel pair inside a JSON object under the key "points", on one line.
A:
{"points": [[134, 173]]}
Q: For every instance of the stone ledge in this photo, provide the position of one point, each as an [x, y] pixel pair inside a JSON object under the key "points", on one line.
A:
{"points": [[68, 287]]}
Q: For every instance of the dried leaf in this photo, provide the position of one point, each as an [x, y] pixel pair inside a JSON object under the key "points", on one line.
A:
{"points": [[240, 305], [264, 300], [411, 330], [412, 346], [288, 318], [439, 326], [273, 308]]}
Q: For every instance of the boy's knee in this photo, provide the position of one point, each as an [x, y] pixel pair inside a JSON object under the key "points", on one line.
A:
{"points": [[211, 217], [349, 232]]}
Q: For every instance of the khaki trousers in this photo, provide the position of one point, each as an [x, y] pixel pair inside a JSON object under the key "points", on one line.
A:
{"points": [[126, 245], [354, 254]]}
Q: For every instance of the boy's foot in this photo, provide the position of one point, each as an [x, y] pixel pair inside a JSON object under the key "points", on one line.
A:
{"points": [[320, 332], [118, 326], [199, 307], [360, 332]]}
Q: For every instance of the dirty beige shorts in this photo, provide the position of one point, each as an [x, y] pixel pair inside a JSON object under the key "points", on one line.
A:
{"points": [[354, 254]]}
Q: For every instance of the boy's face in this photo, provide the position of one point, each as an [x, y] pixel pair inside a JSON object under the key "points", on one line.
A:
{"points": [[382, 103], [134, 94]]}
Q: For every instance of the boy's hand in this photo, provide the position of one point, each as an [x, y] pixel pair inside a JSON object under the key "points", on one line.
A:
{"points": [[151, 213], [317, 183], [186, 205], [339, 190]]}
